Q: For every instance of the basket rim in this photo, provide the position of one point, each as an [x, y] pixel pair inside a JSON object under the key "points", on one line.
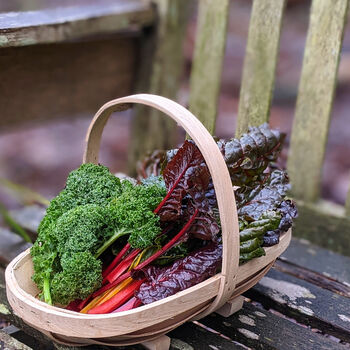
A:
{"points": [[42, 306]]}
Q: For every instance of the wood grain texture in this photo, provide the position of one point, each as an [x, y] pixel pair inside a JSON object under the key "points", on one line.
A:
{"points": [[67, 80], [6, 313], [260, 64], [194, 337], [259, 329], [347, 204], [160, 70], [305, 302], [324, 224], [82, 19], [9, 343], [305, 254], [21, 289], [318, 279], [315, 97], [207, 60]]}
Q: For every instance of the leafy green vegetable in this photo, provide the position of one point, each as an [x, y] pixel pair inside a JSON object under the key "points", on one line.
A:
{"points": [[244, 257], [81, 274], [133, 210], [249, 156], [89, 184], [87, 217], [256, 229]]}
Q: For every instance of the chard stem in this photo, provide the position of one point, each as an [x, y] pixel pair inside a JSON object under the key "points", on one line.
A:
{"points": [[47, 294], [170, 244], [116, 260]]}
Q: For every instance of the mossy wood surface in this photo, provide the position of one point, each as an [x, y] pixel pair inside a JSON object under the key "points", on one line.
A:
{"points": [[321, 261], [252, 326], [323, 224], [347, 205], [207, 61], [9, 343], [260, 63], [160, 69], [315, 97]]}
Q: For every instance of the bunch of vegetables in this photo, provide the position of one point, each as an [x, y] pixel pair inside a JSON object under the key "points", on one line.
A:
{"points": [[109, 245]]}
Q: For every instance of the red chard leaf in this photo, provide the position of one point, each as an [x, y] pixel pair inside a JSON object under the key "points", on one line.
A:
{"points": [[182, 274], [185, 173]]}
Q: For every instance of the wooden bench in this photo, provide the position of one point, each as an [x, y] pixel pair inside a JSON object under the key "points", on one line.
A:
{"points": [[303, 302]]}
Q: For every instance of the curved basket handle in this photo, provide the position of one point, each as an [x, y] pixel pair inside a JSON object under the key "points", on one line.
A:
{"points": [[215, 162]]}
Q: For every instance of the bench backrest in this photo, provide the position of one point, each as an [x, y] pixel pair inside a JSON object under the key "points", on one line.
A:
{"points": [[321, 222]]}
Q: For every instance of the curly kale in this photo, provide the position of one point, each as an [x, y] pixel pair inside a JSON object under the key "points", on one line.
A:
{"points": [[134, 211], [89, 184], [86, 218], [81, 275]]}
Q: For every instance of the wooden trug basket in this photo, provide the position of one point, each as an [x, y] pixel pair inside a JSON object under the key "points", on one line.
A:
{"points": [[220, 293]]}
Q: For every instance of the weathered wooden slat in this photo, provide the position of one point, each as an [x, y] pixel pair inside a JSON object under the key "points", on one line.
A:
{"points": [[325, 262], [313, 277], [41, 341], [160, 71], [323, 224], [62, 23], [26, 339], [6, 313], [260, 63], [64, 80], [9, 343], [305, 302], [207, 60], [192, 336], [315, 97], [260, 329], [347, 204]]}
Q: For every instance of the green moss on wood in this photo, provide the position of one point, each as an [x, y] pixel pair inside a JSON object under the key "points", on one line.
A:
{"points": [[207, 61], [324, 224], [260, 63], [160, 71], [315, 98]]}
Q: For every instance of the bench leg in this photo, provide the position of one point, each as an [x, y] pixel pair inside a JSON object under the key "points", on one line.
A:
{"points": [[231, 307], [161, 343]]}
